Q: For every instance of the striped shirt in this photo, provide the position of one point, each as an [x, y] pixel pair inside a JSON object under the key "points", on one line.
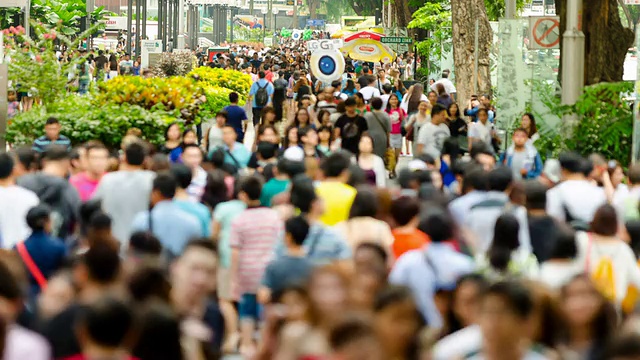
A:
{"points": [[254, 233], [43, 142]]}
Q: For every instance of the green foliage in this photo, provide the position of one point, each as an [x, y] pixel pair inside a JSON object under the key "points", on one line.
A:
{"points": [[7, 15], [436, 19], [173, 64], [241, 33], [230, 79], [496, 8], [82, 121], [217, 99]]}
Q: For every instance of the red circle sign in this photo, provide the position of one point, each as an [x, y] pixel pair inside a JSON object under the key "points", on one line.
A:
{"points": [[543, 32]]}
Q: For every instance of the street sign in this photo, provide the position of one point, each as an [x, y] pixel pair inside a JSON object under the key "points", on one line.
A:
{"points": [[13, 3], [268, 41], [395, 40], [151, 50], [315, 22], [544, 32]]}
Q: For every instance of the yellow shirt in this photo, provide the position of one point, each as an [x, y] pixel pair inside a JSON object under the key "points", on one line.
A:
{"points": [[337, 198]]}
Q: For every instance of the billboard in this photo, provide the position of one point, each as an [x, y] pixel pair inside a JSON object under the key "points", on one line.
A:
{"points": [[248, 21]]}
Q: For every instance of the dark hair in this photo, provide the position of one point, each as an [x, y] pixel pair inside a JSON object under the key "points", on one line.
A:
{"points": [[191, 146], [9, 284], [182, 174], [261, 74], [135, 153], [56, 153], [475, 178], [505, 241], [391, 295], [102, 262], [26, 156], [482, 110], [298, 228], [159, 333], [165, 184], [224, 114], [376, 103], [564, 246], [536, 194], [624, 346], [200, 245], [522, 130], [335, 164], [365, 203], [166, 131], [107, 322], [515, 295], [303, 193], [500, 179], [285, 141], [100, 221], [348, 331], [351, 101], [252, 186], [149, 283], [634, 174], [302, 132], [215, 191], [533, 128], [6, 165], [233, 97], [404, 209], [38, 216], [266, 110], [571, 162], [145, 243], [375, 248], [266, 150], [440, 91], [387, 88], [452, 319], [605, 221], [51, 121], [436, 223]]}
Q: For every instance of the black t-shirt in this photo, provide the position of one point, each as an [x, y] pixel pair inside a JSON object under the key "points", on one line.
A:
{"points": [[100, 61], [363, 81], [351, 143], [60, 332], [214, 320], [255, 63], [458, 127]]}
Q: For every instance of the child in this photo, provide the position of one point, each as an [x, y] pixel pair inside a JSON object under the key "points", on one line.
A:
{"points": [[14, 105], [521, 157], [293, 268], [324, 137]]}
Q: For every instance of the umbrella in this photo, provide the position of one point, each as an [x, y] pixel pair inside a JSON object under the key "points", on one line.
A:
{"points": [[364, 35], [368, 50]]}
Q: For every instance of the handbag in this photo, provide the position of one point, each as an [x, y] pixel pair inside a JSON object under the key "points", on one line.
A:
{"points": [[409, 132], [31, 265], [389, 154]]}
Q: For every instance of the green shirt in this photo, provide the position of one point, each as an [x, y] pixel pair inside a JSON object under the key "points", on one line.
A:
{"points": [[272, 188]]}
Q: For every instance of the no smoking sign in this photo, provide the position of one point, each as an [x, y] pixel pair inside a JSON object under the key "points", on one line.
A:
{"points": [[544, 32]]}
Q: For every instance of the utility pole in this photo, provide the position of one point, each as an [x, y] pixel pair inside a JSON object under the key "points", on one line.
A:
{"points": [[144, 21], [572, 59], [129, 24], [161, 22], [510, 9], [295, 15], [138, 23]]}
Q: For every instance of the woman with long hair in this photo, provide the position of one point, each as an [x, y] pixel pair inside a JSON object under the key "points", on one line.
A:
{"points": [[443, 98], [291, 138], [350, 88], [113, 67], [370, 163], [397, 116], [412, 99], [528, 122], [505, 257], [457, 124], [302, 119], [172, 138], [414, 123]]}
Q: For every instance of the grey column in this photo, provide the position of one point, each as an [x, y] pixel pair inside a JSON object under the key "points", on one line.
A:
{"points": [[129, 24]]}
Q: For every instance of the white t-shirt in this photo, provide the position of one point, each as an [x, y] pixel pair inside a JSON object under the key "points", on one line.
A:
{"points": [[557, 274], [432, 137], [385, 100], [15, 202], [625, 267], [458, 344], [404, 105], [580, 197], [481, 131], [369, 92], [448, 85]]}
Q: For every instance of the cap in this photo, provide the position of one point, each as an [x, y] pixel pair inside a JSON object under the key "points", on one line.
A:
{"points": [[294, 154], [417, 165], [552, 170]]}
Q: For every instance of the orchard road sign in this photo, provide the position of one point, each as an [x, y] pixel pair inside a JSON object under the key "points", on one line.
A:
{"points": [[395, 40]]}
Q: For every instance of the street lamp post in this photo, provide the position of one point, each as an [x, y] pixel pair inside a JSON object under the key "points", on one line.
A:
{"points": [[275, 12], [264, 12]]}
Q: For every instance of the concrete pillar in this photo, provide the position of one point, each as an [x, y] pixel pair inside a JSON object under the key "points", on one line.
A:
{"points": [[572, 59]]}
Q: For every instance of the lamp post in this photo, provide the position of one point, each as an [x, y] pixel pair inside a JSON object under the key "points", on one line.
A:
{"points": [[275, 12], [415, 57], [264, 12]]}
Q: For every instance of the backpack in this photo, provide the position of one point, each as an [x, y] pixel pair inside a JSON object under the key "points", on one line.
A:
{"points": [[350, 130], [262, 95], [602, 275]]}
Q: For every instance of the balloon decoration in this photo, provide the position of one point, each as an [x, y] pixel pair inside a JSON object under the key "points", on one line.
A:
{"points": [[296, 35], [285, 33], [307, 35]]}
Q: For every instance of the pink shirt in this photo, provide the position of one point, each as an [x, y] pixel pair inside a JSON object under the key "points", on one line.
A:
{"points": [[396, 115], [254, 233], [85, 186]]}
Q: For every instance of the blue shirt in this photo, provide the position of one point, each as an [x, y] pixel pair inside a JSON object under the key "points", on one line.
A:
{"points": [[235, 116], [322, 245], [427, 270], [200, 211], [48, 253], [170, 224], [459, 208], [240, 158], [254, 89], [43, 142]]}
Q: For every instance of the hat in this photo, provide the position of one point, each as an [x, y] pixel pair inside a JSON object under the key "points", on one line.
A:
{"points": [[417, 165], [294, 154], [552, 170]]}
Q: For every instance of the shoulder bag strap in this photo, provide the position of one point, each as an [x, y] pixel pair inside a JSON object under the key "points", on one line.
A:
{"points": [[31, 265], [234, 159], [314, 242], [587, 265]]}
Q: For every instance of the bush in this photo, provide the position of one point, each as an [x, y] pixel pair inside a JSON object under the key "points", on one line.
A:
{"points": [[217, 99], [173, 64], [180, 96], [230, 79], [82, 120]]}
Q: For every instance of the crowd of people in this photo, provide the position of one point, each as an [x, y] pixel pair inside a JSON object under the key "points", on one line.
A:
{"points": [[319, 238]]}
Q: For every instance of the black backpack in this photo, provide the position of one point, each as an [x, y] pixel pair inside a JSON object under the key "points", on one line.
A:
{"points": [[262, 95]]}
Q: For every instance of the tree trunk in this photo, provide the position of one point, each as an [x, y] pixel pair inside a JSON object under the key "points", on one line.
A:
{"points": [[463, 16], [402, 13], [606, 40]]}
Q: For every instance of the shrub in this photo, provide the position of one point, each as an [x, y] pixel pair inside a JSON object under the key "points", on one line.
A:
{"points": [[82, 120], [217, 99], [230, 79], [173, 64]]}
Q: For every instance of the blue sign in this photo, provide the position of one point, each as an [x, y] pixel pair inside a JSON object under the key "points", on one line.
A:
{"points": [[315, 22]]}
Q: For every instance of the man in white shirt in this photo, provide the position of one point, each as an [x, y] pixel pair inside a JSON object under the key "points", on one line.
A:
{"points": [[432, 135], [15, 202], [448, 85], [382, 80], [370, 91], [575, 199], [481, 130]]}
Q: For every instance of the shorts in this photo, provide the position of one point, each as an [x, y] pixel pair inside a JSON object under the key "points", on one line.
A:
{"points": [[249, 307], [395, 141], [224, 284]]}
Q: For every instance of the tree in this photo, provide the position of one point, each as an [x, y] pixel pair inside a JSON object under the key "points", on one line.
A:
{"points": [[496, 9], [606, 39], [434, 18], [464, 14]]}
